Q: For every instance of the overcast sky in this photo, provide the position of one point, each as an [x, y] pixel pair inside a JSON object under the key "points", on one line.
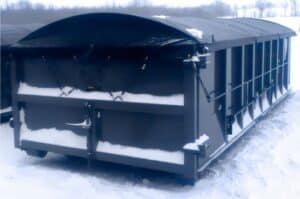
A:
{"points": [[167, 3]]}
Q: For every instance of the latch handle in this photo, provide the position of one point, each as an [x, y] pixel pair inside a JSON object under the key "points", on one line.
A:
{"points": [[86, 124]]}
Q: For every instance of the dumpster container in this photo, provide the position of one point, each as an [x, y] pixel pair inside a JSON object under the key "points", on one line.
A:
{"points": [[163, 93]]}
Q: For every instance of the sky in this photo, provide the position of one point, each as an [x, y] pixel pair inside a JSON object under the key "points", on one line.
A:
{"points": [[99, 3]]}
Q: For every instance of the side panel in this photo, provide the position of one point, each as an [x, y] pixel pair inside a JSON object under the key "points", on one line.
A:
{"points": [[212, 102], [267, 73], [248, 85], [220, 87], [237, 79], [254, 100], [274, 64], [237, 68], [258, 76]]}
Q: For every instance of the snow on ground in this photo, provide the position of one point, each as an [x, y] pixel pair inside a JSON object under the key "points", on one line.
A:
{"points": [[264, 164]]}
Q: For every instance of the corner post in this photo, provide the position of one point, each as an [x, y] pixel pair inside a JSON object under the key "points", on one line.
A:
{"points": [[190, 118]]}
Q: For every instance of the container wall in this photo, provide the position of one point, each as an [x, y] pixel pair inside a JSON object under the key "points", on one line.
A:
{"points": [[248, 80], [129, 105], [212, 102]]}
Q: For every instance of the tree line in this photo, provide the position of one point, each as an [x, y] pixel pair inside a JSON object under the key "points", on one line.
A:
{"points": [[25, 12]]}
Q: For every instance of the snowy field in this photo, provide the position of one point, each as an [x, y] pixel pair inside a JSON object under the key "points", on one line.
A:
{"points": [[264, 164]]}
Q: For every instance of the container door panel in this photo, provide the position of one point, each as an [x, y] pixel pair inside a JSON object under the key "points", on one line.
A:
{"points": [[54, 124], [211, 111], [142, 130]]}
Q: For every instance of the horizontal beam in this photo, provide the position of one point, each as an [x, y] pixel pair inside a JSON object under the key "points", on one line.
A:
{"points": [[105, 105], [138, 162], [25, 144]]}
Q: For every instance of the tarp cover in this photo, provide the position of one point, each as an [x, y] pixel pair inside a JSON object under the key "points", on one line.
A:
{"points": [[112, 29]]}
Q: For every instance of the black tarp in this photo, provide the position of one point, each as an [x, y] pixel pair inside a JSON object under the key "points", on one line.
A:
{"points": [[111, 29]]}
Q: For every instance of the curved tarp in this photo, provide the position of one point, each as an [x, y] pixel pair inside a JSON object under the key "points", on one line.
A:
{"points": [[111, 29], [223, 29], [106, 30]]}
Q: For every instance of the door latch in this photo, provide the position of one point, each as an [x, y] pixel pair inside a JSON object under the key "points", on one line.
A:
{"points": [[86, 124]]}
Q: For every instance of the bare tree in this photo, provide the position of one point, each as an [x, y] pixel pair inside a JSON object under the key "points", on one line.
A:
{"points": [[245, 9], [140, 3], [294, 7], [285, 6], [262, 5], [235, 10], [24, 13]]}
